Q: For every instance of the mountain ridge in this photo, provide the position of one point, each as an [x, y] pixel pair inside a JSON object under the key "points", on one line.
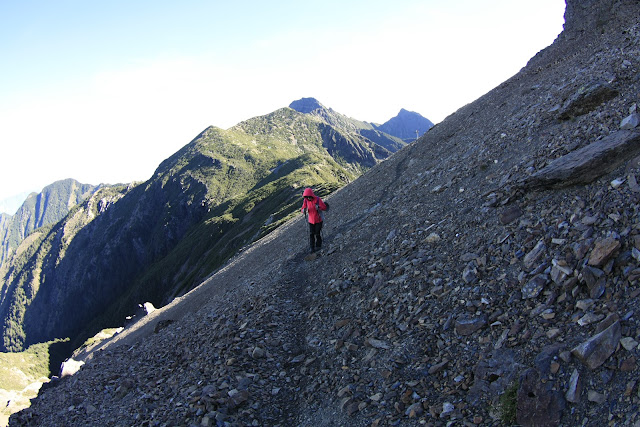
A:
{"points": [[127, 243], [404, 128]]}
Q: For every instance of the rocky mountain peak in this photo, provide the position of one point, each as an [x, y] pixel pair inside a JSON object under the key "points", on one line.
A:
{"points": [[406, 125], [306, 105]]}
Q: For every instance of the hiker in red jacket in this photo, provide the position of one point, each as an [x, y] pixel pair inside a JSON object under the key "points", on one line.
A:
{"points": [[312, 207]]}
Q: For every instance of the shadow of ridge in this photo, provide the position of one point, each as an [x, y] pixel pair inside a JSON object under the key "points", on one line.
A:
{"points": [[59, 351]]}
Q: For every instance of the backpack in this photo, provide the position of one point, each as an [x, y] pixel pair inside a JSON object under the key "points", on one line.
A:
{"points": [[318, 205], [319, 211]]}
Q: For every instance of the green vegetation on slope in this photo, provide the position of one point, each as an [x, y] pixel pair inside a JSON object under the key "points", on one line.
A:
{"points": [[38, 210], [17, 370], [23, 373]]}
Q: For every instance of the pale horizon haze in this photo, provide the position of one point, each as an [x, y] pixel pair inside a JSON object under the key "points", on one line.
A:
{"points": [[103, 92]]}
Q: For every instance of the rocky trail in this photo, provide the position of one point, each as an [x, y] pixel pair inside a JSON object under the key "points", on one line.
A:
{"points": [[480, 276]]}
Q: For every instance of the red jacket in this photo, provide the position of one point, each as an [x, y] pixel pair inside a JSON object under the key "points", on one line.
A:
{"points": [[313, 207]]}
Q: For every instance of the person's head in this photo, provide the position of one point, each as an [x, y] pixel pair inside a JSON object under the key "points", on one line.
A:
{"points": [[308, 194]]}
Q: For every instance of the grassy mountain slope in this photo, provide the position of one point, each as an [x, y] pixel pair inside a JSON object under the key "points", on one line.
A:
{"points": [[156, 240], [21, 376]]}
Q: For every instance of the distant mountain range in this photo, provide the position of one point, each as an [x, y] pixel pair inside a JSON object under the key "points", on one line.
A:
{"points": [[39, 210], [94, 253], [407, 126]]}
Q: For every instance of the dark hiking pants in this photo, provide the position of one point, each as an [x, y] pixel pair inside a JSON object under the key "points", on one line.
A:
{"points": [[315, 238]]}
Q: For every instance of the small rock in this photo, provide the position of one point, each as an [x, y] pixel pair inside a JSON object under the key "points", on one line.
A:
{"points": [[598, 348], [574, 388], [237, 397], [594, 396], [559, 271], [628, 364], [161, 325], [565, 356], [298, 359], [584, 304], [535, 254], [603, 251], [595, 280], [447, 408], [376, 397], [340, 323], [543, 361], [535, 286], [553, 333], [352, 408], [257, 353], [633, 183], [344, 390], [415, 410], [590, 318], [616, 183], [510, 214], [630, 122], [432, 238], [345, 402], [438, 367], [375, 343], [470, 273], [468, 325], [629, 343]]}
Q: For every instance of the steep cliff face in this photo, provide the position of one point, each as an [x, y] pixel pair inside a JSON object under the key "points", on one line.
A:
{"points": [[590, 18], [42, 274]]}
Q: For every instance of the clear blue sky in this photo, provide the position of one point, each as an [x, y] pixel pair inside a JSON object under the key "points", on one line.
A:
{"points": [[104, 91]]}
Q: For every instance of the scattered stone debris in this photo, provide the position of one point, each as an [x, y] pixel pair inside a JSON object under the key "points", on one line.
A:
{"points": [[428, 302]]}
